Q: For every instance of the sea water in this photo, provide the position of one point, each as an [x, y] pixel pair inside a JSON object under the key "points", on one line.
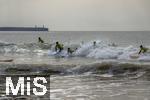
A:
{"points": [[105, 71]]}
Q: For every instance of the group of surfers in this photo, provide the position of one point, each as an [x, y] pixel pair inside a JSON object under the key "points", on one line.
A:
{"points": [[59, 47]]}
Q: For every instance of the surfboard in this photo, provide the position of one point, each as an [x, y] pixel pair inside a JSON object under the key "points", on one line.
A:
{"points": [[134, 56], [44, 45], [6, 60], [59, 54]]}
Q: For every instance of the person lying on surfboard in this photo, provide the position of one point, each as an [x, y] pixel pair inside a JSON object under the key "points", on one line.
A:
{"points": [[58, 47], [143, 49], [40, 40]]}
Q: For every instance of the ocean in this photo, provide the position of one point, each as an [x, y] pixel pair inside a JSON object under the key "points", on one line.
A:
{"points": [[109, 70]]}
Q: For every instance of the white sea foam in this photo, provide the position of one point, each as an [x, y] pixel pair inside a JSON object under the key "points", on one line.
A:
{"points": [[102, 50]]}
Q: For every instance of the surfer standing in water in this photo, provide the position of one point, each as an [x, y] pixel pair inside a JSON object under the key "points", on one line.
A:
{"points": [[94, 43], [58, 47], [40, 40], [143, 49]]}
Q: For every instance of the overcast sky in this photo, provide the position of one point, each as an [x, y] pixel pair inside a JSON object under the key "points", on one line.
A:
{"points": [[77, 15]]}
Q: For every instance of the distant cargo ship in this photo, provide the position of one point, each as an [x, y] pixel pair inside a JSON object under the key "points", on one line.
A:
{"points": [[23, 29]]}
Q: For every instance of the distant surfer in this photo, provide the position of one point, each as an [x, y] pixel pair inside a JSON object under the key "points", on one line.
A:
{"points": [[113, 45], [40, 40], [143, 49], [58, 47], [94, 43]]}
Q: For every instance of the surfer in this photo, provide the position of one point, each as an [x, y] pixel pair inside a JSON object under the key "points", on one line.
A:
{"points": [[143, 49], [40, 40], [113, 45], [58, 47], [94, 43], [69, 51]]}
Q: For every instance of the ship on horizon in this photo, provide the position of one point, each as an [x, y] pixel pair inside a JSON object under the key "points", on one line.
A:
{"points": [[24, 28]]}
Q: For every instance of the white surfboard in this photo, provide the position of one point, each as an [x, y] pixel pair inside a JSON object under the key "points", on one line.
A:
{"points": [[134, 56]]}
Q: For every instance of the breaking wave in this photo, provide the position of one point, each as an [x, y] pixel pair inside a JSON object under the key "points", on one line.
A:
{"points": [[101, 50]]}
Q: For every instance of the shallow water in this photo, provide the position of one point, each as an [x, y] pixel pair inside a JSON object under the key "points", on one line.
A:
{"points": [[96, 87], [85, 79]]}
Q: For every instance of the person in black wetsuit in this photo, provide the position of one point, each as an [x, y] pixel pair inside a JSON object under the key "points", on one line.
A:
{"points": [[94, 43], [40, 40]]}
